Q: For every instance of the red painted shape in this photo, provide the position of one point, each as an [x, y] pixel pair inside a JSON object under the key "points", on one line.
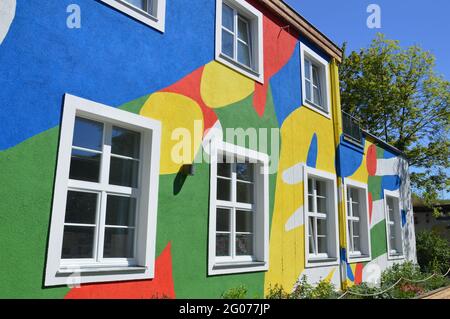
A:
{"points": [[190, 86], [279, 45], [371, 160], [370, 207], [161, 286], [358, 273]]}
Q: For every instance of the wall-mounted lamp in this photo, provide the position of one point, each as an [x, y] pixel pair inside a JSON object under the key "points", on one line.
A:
{"points": [[188, 169]]}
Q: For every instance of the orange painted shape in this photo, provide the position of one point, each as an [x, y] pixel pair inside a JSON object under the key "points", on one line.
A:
{"points": [[371, 160], [370, 207], [190, 86], [162, 286], [279, 46], [358, 273]]}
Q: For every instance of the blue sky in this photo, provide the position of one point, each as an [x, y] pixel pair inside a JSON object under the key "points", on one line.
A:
{"points": [[426, 23]]}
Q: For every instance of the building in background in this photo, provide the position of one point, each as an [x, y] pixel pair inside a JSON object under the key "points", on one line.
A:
{"points": [[424, 219], [152, 152]]}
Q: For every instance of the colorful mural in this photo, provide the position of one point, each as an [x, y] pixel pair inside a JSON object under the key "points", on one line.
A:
{"points": [[175, 80]]}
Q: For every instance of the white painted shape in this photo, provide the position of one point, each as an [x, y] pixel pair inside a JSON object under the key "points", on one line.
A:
{"points": [[7, 14], [315, 275], [295, 220], [214, 132], [294, 174], [377, 212], [390, 166]]}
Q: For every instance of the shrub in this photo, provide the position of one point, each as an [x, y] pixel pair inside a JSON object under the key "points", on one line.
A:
{"points": [[364, 289], [277, 292], [235, 293], [433, 252]]}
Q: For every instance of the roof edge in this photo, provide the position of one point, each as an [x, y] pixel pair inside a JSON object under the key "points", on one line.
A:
{"points": [[385, 144], [305, 27]]}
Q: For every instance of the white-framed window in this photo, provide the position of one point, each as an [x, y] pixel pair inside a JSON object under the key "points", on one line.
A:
{"points": [[239, 37], [239, 212], [103, 225], [393, 225], [357, 217], [149, 12], [316, 92], [321, 227]]}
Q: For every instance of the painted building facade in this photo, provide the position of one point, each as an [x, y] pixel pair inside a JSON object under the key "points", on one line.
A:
{"points": [[116, 116]]}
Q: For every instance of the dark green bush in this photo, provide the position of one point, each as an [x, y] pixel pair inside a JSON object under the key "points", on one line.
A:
{"points": [[433, 252]]}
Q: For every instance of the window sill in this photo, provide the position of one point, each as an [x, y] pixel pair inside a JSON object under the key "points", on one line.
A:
{"points": [[240, 68], [319, 262], [223, 268], [137, 14], [395, 257], [358, 258], [316, 109], [98, 270]]}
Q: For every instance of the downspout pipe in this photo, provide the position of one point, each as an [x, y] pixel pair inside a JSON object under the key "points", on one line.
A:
{"points": [[337, 130]]}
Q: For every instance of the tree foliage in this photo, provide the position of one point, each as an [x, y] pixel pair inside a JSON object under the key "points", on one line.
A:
{"points": [[398, 96]]}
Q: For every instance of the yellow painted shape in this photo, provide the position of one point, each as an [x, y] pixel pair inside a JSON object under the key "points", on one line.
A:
{"points": [[175, 111], [221, 86], [287, 248], [330, 275]]}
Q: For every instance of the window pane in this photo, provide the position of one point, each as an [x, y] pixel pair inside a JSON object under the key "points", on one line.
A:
{"points": [[391, 215], [321, 188], [321, 226], [78, 242], [356, 244], [355, 207], [243, 30], [120, 210], [123, 172], [141, 4], [350, 234], [315, 76], [223, 245], [321, 205], [308, 90], [81, 208], [88, 134], [244, 54], [85, 166], [125, 142], [307, 69], [322, 245], [244, 221], [227, 44], [356, 228], [310, 186], [244, 244], [317, 98], [355, 195], [312, 235], [223, 189], [244, 192], [223, 219], [119, 243], [224, 167], [244, 171], [311, 203], [227, 17]]}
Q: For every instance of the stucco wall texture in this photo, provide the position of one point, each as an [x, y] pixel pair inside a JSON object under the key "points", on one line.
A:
{"points": [[171, 77]]}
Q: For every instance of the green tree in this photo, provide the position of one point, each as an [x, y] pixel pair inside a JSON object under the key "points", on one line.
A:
{"points": [[398, 96]]}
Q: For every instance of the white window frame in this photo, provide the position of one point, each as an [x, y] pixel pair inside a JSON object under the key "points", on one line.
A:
{"points": [[324, 72], [365, 243], [255, 19], [398, 225], [332, 256], [260, 259], [156, 21], [60, 272]]}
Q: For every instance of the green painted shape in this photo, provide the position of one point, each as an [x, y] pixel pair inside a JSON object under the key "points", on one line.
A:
{"points": [[378, 239], [26, 188], [380, 152], [374, 187], [135, 105]]}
